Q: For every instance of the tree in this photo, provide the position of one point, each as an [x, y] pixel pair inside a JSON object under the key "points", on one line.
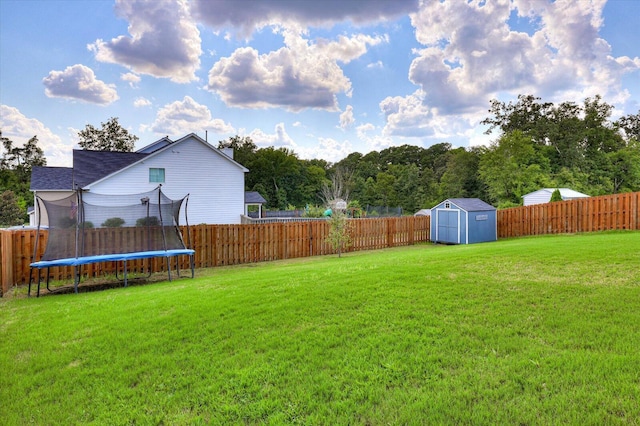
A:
{"points": [[22, 160], [10, 212], [555, 196], [15, 170], [244, 149], [461, 180], [109, 137], [631, 126], [511, 168], [339, 237], [277, 171]]}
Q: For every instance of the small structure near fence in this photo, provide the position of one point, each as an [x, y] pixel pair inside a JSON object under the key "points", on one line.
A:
{"points": [[463, 221]]}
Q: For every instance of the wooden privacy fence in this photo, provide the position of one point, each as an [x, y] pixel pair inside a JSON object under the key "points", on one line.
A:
{"points": [[607, 212], [218, 245]]}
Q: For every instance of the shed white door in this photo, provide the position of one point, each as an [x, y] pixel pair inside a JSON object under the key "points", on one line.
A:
{"points": [[448, 225]]}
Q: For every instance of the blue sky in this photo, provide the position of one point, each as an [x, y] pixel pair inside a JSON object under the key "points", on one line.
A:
{"points": [[323, 78]]}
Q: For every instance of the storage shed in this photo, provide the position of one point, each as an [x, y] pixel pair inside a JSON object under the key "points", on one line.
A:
{"points": [[463, 221]]}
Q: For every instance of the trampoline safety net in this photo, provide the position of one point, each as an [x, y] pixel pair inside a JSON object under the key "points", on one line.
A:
{"points": [[87, 224]]}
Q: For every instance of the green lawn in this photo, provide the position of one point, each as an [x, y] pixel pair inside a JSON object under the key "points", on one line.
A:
{"points": [[523, 331]]}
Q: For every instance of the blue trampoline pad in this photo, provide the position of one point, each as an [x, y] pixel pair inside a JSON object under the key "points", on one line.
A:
{"points": [[76, 261]]}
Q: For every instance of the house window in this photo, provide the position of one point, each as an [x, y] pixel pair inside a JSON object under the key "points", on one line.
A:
{"points": [[447, 205], [156, 175]]}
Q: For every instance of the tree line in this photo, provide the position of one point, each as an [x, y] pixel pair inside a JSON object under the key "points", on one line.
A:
{"points": [[538, 145]]}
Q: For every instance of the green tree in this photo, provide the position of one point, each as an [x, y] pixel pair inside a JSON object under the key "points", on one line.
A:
{"points": [[10, 212], [16, 165], [461, 180], [624, 168], [244, 150], [555, 196], [630, 124], [22, 159], [338, 237], [511, 167], [278, 172], [111, 136]]}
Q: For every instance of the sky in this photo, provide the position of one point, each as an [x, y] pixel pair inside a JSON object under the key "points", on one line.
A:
{"points": [[322, 78]]}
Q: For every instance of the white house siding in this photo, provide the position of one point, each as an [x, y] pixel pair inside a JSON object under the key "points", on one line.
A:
{"points": [[214, 183], [47, 196]]}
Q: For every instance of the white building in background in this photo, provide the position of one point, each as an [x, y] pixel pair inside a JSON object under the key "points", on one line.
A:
{"points": [[189, 165], [543, 195]]}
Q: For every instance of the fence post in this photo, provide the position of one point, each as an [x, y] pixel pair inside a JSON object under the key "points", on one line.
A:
{"points": [[6, 271]]}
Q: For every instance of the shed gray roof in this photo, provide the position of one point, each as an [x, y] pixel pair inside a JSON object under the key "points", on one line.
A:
{"points": [[472, 204], [90, 166], [252, 197], [51, 178]]}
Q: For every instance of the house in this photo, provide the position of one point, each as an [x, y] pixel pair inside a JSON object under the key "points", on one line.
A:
{"points": [[189, 165], [463, 221], [543, 195]]}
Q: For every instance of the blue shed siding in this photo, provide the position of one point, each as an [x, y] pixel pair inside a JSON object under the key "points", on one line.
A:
{"points": [[482, 227]]}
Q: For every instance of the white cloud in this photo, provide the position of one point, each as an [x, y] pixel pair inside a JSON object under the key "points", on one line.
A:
{"points": [[374, 65], [328, 149], [19, 128], [346, 118], [472, 55], [164, 40], [141, 102], [280, 138], [187, 116], [373, 141], [248, 15], [79, 82], [298, 76], [131, 78], [407, 116]]}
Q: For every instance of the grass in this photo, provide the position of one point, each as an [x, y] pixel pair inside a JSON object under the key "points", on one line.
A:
{"points": [[522, 331]]}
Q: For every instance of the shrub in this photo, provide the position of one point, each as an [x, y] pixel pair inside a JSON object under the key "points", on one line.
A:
{"points": [[148, 221], [313, 211], [69, 222], [555, 196], [66, 222], [113, 222]]}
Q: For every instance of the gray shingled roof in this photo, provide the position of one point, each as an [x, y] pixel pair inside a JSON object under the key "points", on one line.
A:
{"points": [[159, 144], [51, 178], [472, 204], [90, 166], [252, 197]]}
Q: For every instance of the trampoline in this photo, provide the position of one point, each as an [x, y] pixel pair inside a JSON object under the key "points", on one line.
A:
{"points": [[86, 228]]}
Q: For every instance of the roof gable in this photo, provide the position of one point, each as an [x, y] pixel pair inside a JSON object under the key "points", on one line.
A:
{"points": [[171, 146], [159, 144], [470, 204], [253, 197]]}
